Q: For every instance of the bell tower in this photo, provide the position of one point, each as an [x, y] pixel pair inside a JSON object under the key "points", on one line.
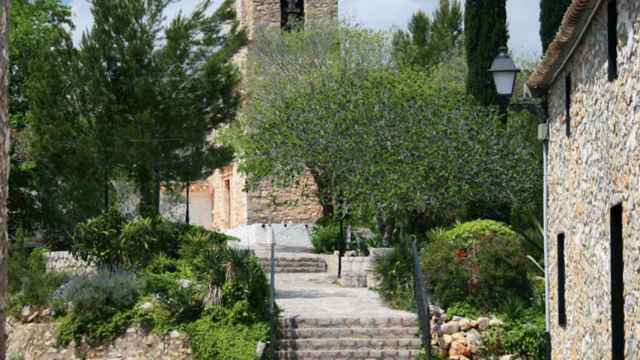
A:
{"points": [[257, 14]]}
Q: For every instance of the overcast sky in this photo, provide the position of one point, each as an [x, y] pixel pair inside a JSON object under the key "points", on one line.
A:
{"points": [[386, 14]]}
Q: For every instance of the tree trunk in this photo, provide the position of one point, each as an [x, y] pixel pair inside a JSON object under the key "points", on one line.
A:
{"points": [[4, 167], [387, 226], [325, 198], [148, 188]]}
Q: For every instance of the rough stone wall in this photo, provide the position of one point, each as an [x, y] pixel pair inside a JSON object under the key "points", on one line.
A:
{"points": [[320, 10], [37, 341], [591, 171], [63, 261], [296, 204], [238, 197]]}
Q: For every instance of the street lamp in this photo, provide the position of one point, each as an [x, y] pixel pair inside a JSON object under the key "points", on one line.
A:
{"points": [[504, 72]]}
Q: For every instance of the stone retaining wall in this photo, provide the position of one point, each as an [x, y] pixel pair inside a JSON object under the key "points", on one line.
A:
{"points": [[37, 341], [359, 272], [63, 261]]}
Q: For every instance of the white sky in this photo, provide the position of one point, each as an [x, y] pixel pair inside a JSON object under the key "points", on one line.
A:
{"points": [[383, 14]]}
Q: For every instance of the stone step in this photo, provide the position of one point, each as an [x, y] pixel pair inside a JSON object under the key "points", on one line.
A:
{"points": [[295, 265], [266, 260], [348, 354], [291, 269], [383, 322], [289, 262], [354, 332], [351, 344]]}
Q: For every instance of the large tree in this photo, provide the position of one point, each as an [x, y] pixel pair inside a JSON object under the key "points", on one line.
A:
{"points": [[485, 28], [551, 14], [428, 41], [4, 167], [387, 140], [39, 30], [155, 92]]}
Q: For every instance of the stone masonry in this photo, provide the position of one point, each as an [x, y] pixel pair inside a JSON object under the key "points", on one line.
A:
{"points": [[592, 170], [233, 207]]}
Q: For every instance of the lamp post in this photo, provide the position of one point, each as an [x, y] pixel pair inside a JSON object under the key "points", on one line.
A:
{"points": [[504, 73]]}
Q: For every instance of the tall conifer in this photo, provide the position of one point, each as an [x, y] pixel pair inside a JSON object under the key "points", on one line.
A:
{"points": [[551, 14], [485, 32]]}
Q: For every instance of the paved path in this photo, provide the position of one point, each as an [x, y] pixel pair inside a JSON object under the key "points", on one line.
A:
{"points": [[317, 296]]}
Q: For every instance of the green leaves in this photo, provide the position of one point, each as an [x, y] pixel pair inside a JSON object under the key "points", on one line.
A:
{"points": [[381, 138]]}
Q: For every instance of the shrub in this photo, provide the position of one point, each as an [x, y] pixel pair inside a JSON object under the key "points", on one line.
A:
{"points": [[325, 238], [223, 340], [98, 306], [524, 335], [173, 285], [29, 281], [97, 240], [111, 241], [231, 275], [482, 261], [395, 271]]}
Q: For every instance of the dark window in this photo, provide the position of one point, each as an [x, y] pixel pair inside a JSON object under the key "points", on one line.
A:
{"points": [[562, 309], [292, 13], [617, 284], [567, 104], [612, 26]]}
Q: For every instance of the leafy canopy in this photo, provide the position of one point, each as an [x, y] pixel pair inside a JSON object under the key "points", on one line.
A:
{"points": [[385, 139]]}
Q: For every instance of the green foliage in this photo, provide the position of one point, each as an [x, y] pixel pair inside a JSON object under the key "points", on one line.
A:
{"points": [[482, 261], [522, 335], [390, 140], [98, 306], [174, 289], [428, 41], [325, 238], [111, 240], [396, 274], [231, 275], [29, 282], [40, 30], [485, 29], [551, 14], [463, 309], [163, 72], [213, 340], [97, 239]]}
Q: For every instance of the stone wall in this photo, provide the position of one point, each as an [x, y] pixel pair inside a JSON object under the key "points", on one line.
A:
{"points": [[63, 261], [229, 202], [296, 204], [354, 272], [594, 169], [37, 341]]}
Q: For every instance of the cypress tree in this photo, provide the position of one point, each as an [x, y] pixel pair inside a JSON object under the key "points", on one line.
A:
{"points": [[551, 14], [485, 33]]}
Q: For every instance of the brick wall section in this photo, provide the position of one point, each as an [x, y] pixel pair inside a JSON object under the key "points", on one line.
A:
{"points": [[595, 169]]}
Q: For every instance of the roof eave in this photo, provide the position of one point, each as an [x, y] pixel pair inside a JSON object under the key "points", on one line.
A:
{"points": [[575, 24]]}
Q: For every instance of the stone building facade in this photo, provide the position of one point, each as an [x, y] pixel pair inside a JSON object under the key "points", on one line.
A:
{"points": [[236, 211], [590, 77]]}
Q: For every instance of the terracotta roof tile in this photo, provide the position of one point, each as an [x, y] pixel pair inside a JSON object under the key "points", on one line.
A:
{"points": [[576, 20]]}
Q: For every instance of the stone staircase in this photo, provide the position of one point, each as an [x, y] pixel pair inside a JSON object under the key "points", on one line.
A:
{"points": [[295, 264], [349, 338]]}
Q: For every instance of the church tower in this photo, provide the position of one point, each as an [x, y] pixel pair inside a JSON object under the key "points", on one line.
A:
{"points": [[235, 211]]}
